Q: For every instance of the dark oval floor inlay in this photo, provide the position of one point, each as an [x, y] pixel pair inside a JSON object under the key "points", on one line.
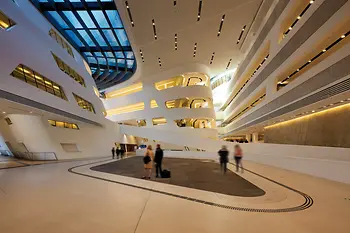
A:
{"points": [[308, 201]]}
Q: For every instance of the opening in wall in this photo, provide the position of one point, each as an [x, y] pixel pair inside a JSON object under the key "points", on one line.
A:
{"points": [[8, 121], [187, 102], [159, 121], [68, 70], [141, 123], [61, 41], [254, 101], [84, 104], [187, 79], [250, 73], [299, 10], [196, 123], [61, 124], [154, 104], [125, 91], [126, 109], [70, 147], [333, 41], [5, 22], [37, 80]]}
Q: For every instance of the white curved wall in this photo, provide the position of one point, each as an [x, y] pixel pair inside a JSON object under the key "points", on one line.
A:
{"points": [[149, 92], [29, 43]]}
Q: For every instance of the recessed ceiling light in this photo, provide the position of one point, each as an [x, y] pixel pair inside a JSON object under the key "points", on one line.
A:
{"points": [[154, 29], [240, 35], [299, 17], [212, 58], [311, 1], [342, 36], [199, 10], [313, 110], [290, 28], [221, 24], [309, 61], [324, 50], [129, 13], [342, 101]]}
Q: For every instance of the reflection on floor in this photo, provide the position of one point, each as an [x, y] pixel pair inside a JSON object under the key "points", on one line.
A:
{"points": [[191, 173], [48, 198]]}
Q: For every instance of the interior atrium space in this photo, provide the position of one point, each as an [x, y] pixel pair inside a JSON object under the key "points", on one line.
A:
{"points": [[175, 116]]}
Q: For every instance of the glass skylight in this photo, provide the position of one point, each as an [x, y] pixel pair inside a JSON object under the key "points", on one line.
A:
{"points": [[95, 29]]}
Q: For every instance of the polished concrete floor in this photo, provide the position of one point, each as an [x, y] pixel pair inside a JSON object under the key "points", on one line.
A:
{"points": [[70, 197], [191, 173]]}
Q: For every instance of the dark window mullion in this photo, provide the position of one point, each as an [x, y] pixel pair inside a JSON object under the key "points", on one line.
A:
{"points": [[99, 28], [114, 34], [70, 25]]}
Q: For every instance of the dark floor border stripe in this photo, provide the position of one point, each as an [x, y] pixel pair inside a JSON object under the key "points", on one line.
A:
{"points": [[307, 203]]}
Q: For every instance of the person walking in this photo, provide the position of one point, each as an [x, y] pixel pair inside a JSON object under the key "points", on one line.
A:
{"points": [[238, 157], [113, 152], [223, 153], [148, 162], [122, 151], [118, 152], [158, 158]]}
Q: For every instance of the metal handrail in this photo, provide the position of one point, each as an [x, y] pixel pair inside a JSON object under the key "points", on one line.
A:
{"points": [[5, 152], [35, 156]]}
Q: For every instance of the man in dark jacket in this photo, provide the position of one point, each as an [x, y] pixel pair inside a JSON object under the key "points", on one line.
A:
{"points": [[113, 152], [158, 157], [223, 153]]}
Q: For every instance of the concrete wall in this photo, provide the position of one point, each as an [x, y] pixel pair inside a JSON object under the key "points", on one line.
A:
{"points": [[328, 128]]}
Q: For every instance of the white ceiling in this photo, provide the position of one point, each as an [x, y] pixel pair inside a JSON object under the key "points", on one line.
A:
{"points": [[182, 20]]}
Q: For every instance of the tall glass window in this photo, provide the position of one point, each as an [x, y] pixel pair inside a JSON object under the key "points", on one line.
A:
{"points": [[61, 42], [5, 22], [35, 79], [61, 124], [84, 104], [68, 70]]}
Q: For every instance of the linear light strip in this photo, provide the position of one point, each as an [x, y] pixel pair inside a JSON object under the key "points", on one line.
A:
{"points": [[129, 13], [195, 50], [229, 63], [221, 23], [297, 19], [175, 41], [199, 10], [141, 53], [154, 29], [212, 58], [241, 34], [281, 83]]}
